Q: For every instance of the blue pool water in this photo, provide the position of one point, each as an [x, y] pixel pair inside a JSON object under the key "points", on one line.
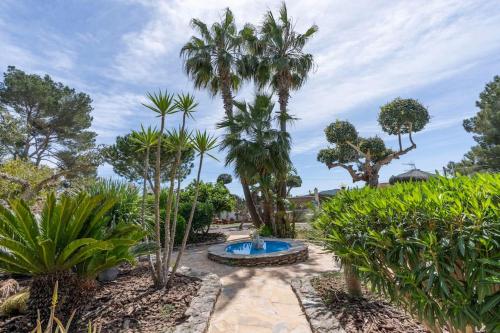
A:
{"points": [[247, 248]]}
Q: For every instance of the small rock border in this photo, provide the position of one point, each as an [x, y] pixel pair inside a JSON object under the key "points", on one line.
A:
{"points": [[319, 317], [202, 305]]}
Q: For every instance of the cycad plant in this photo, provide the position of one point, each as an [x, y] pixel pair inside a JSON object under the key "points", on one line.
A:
{"points": [[70, 242], [203, 143]]}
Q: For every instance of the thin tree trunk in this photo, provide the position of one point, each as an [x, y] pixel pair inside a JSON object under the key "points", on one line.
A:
{"points": [[188, 225], [256, 219], [351, 280], [159, 278], [145, 186], [168, 211], [174, 223]]}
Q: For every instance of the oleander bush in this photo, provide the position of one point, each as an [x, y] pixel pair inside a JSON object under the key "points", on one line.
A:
{"points": [[431, 247]]}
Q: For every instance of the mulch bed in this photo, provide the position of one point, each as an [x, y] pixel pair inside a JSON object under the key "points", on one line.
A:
{"points": [[132, 304], [369, 313]]}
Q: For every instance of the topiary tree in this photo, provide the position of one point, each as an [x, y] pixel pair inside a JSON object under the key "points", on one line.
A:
{"points": [[224, 178], [364, 157]]}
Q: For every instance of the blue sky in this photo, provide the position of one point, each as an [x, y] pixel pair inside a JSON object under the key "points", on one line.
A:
{"points": [[367, 53]]}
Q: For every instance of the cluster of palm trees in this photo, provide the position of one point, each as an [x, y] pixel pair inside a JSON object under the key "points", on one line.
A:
{"points": [[178, 141], [219, 58]]}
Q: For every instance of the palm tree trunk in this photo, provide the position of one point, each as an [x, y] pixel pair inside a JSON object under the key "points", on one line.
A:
{"points": [[256, 218], [159, 279], [227, 95], [281, 222], [188, 226]]}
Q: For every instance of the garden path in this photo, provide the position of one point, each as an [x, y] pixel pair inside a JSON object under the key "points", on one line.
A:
{"points": [[260, 299]]}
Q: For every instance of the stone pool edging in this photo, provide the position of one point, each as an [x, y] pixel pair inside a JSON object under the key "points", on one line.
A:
{"points": [[296, 253], [319, 317], [202, 305]]}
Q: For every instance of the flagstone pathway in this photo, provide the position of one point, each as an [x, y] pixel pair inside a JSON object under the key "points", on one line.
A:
{"points": [[260, 299]]}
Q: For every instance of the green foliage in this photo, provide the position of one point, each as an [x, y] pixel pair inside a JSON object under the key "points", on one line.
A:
{"points": [[71, 234], [210, 59], [127, 159], [402, 116], [215, 194], [363, 157], [224, 178], [485, 156], [26, 171], [265, 231], [127, 207], [203, 215], [433, 247], [45, 121]]}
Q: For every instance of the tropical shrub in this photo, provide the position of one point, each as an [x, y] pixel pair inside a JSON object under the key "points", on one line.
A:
{"points": [[432, 247], [127, 207], [24, 170], [203, 215], [69, 242], [214, 193]]}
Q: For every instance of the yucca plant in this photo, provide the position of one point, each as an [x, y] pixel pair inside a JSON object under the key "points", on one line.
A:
{"points": [[203, 143], [431, 247], [69, 242]]}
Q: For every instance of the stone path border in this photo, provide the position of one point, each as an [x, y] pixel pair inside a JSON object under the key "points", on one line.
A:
{"points": [[202, 305], [319, 317]]}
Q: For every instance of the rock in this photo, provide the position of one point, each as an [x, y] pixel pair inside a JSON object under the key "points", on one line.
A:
{"points": [[8, 288], [108, 275]]}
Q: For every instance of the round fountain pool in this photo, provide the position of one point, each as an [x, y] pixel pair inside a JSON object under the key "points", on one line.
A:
{"points": [[274, 252], [248, 248]]}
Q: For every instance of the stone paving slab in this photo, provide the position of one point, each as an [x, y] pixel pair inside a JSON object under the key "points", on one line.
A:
{"points": [[259, 299]]}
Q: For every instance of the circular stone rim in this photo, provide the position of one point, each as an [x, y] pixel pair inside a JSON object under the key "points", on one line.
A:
{"points": [[218, 252]]}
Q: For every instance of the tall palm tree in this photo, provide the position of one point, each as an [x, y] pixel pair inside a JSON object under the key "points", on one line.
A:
{"points": [[210, 60], [276, 59], [256, 150], [203, 143], [162, 104], [282, 62], [145, 139]]}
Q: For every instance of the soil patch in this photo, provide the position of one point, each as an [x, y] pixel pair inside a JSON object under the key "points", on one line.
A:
{"points": [[131, 304], [369, 313]]}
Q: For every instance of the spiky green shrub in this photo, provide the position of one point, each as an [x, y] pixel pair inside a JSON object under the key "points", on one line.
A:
{"points": [[127, 207], [432, 247], [70, 241]]}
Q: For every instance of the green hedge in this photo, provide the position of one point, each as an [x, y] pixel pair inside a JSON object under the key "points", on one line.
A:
{"points": [[432, 247]]}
